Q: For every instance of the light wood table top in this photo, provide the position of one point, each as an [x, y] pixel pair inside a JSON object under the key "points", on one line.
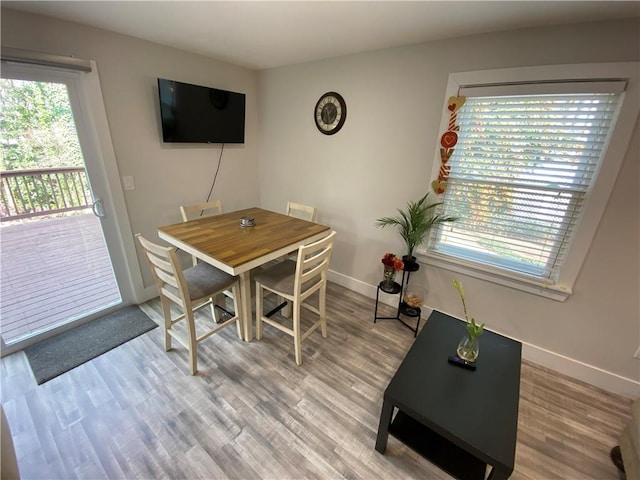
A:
{"points": [[220, 241]]}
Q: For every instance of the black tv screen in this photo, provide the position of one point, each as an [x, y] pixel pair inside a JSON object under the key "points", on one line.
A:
{"points": [[195, 114]]}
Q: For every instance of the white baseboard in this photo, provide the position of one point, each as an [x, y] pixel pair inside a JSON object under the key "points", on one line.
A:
{"points": [[590, 374], [357, 286]]}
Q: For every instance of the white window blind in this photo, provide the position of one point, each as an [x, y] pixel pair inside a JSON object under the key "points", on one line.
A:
{"points": [[17, 55], [521, 173]]}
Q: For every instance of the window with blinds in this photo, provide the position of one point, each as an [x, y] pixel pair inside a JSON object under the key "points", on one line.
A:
{"points": [[521, 173]]}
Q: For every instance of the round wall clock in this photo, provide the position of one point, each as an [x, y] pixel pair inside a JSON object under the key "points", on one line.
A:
{"points": [[330, 113]]}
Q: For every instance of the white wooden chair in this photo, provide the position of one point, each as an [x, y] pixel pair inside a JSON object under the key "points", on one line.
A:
{"points": [[205, 209], [304, 212], [191, 290], [296, 282]]}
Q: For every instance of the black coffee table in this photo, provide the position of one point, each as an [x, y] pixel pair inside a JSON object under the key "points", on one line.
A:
{"points": [[461, 420]]}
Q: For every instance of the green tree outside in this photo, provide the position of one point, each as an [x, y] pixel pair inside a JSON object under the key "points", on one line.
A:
{"points": [[37, 129]]}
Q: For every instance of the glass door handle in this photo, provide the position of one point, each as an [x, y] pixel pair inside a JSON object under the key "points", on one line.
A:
{"points": [[98, 208]]}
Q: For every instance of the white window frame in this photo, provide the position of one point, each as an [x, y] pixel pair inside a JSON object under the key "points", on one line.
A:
{"points": [[600, 190]]}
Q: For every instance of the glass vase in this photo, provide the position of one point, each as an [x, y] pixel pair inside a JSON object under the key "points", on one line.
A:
{"points": [[468, 348], [389, 278]]}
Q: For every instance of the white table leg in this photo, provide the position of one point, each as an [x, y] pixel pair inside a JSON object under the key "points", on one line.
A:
{"points": [[245, 305]]}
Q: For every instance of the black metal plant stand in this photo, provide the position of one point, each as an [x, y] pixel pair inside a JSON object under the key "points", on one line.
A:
{"points": [[404, 310]]}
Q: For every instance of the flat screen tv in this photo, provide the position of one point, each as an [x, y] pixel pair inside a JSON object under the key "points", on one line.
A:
{"points": [[196, 114]]}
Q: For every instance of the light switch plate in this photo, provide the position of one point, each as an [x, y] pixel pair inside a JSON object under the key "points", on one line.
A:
{"points": [[128, 183]]}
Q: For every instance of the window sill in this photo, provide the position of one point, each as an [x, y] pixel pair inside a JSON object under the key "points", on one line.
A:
{"points": [[519, 282]]}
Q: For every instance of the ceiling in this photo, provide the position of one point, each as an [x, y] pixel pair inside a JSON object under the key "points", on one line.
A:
{"points": [[266, 34]]}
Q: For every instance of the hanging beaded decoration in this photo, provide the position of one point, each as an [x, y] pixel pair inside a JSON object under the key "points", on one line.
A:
{"points": [[447, 142]]}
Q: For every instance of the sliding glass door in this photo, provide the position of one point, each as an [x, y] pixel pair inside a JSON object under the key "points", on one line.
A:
{"points": [[57, 267]]}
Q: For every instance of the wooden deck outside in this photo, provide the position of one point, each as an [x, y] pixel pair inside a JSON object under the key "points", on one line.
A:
{"points": [[52, 270]]}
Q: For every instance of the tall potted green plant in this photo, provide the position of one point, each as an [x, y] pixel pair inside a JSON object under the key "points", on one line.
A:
{"points": [[414, 222]]}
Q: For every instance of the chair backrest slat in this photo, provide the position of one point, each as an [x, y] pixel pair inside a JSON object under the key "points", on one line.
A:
{"points": [[159, 262], [167, 272], [172, 296], [167, 278], [313, 262], [302, 211], [205, 209]]}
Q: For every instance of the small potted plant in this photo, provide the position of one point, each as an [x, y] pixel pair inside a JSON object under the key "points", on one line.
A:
{"points": [[414, 223], [468, 348]]}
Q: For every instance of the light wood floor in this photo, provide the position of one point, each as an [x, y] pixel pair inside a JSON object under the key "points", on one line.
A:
{"points": [[134, 412]]}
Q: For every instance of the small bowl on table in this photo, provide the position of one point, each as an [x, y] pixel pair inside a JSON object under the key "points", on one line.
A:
{"points": [[247, 222]]}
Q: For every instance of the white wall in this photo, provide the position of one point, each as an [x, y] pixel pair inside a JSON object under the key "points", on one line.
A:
{"points": [[383, 157], [166, 175]]}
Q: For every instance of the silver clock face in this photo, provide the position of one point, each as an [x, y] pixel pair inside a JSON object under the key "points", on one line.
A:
{"points": [[330, 113]]}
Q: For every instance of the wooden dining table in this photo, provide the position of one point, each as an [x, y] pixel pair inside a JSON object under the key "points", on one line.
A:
{"points": [[221, 241]]}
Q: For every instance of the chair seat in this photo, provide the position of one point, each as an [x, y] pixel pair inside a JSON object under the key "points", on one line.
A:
{"points": [[203, 280], [279, 277]]}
